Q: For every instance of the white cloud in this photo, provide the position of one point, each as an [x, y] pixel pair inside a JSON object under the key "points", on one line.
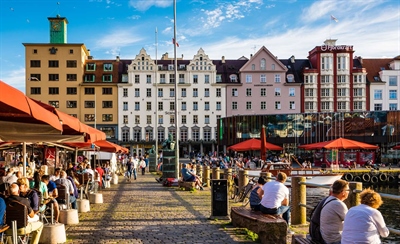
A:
{"points": [[134, 17], [15, 78], [143, 5], [118, 38], [167, 30]]}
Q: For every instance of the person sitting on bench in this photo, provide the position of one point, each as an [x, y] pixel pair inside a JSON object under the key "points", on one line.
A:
{"points": [[187, 175]]}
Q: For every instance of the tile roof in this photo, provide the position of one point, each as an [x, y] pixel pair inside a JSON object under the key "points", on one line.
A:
{"points": [[374, 66]]}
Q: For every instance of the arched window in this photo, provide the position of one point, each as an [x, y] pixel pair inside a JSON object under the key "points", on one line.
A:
{"points": [[253, 67], [262, 64]]}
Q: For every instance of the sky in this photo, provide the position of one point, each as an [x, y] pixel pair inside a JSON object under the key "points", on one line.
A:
{"points": [[230, 28]]}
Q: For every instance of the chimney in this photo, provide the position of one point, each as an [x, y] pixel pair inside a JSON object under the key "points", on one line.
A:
{"points": [[117, 59], [251, 55], [360, 59], [223, 59], [89, 56], [292, 60]]}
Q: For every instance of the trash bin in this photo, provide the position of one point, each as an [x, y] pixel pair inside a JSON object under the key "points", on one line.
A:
{"points": [[219, 199]]}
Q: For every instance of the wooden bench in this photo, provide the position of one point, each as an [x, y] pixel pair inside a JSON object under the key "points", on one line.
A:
{"points": [[302, 239], [270, 228], [188, 185]]}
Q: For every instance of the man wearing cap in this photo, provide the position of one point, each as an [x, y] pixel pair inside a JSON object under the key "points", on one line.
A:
{"points": [[187, 175]]}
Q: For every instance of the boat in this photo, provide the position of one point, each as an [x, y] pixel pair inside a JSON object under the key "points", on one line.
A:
{"points": [[313, 175]]}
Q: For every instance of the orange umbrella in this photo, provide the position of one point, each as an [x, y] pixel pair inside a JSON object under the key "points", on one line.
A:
{"points": [[340, 143], [102, 145], [263, 144]]}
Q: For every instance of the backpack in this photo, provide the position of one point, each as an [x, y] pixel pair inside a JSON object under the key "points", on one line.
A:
{"points": [[315, 221]]}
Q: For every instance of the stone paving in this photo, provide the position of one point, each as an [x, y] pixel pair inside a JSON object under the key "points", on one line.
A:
{"points": [[144, 211]]}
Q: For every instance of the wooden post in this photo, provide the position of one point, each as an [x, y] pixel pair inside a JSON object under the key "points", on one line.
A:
{"points": [[267, 176], [199, 170], [228, 174], [243, 180], [206, 175], [215, 173], [298, 213], [354, 198]]}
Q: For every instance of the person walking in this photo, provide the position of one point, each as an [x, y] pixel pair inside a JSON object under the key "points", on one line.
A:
{"points": [[129, 169]]}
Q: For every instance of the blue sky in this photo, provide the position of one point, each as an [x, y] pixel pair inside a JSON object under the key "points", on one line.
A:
{"points": [[230, 28]]}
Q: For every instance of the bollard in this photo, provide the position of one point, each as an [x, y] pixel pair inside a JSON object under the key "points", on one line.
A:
{"points": [[228, 174], [215, 173], [243, 180], [206, 175], [199, 171], [354, 198], [298, 195]]}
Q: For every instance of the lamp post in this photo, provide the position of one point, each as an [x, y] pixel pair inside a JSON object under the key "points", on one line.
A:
{"points": [[176, 100]]}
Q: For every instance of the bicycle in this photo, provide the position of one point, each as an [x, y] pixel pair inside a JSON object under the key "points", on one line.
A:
{"points": [[247, 191]]}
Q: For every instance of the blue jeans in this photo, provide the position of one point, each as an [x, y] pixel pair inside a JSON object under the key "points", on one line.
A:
{"points": [[282, 210], [134, 173], [72, 200]]}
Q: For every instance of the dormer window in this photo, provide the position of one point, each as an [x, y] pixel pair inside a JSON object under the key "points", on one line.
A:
{"points": [[262, 64], [290, 78]]}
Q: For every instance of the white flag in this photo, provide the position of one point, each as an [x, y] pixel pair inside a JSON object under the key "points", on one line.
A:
{"points": [[334, 18]]}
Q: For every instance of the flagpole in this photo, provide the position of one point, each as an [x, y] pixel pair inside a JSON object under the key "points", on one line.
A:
{"points": [[156, 105], [176, 100]]}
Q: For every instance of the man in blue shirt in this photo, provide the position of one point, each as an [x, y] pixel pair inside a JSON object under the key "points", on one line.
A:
{"points": [[53, 194], [187, 175]]}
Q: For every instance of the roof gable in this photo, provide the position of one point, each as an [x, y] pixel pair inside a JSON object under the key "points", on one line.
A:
{"points": [[271, 63]]}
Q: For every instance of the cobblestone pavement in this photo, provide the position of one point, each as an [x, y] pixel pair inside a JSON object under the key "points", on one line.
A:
{"points": [[143, 211]]}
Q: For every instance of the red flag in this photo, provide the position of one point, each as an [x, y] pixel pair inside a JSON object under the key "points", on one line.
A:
{"points": [[176, 43]]}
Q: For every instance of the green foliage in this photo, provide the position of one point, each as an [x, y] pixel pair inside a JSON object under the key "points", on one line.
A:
{"points": [[249, 235]]}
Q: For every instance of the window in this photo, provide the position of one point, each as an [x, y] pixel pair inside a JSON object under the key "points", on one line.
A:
{"points": [[277, 78], [195, 119], [160, 136], [325, 92], [71, 51], [262, 64], [341, 105], [357, 78], [291, 105], [392, 94], [248, 92], [253, 67], [195, 106], [263, 105], [73, 115], [160, 106], [234, 106], [125, 92], [181, 78], [35, 63], [35, 91], [392, 80], [277, 105], [326, 63], [263, 92], [195, 134], [170, 67], [148, 106], [53, 63], [137, 79], [277, 92], [378, 106], [206, 106], [107, 78], [125, 119], [171, 119], [71, 104], [172, 78], [325, 79], [272, 66], [325, 105], [358, 106], [206, 79], [89, 104], [290, 78], [162, 78], [90, 67], [35, 77], [90, 78], [137, 134], [107, 91], [206, 92], [71, 77], [392, 106], [171, 92], [148, 92], [125, 106], [291, 92], [89, 117], [137, 106], [248, 105], [71, 64], [183, 106], [309, 105], [248, 78], [235, 92], [309, 79], [72, 91], [148, 79], [341, 63], [107, 67], [53, 91], [377, 94], [183, 92], [183, 121], [195, 79], [357, 92], [341, 92], [218, 78], [149, 132], [160, 92], [341, 79], [55, 104], [53, 77], [263, 78], [107, 117], [233, 78], [107, 104], [218, 92], [89, 90], [195, 92], [171, 106], [218, 105], [160, 119], [309, 92], [206, 119]]}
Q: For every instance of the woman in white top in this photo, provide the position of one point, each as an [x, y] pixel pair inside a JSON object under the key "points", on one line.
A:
{"points": [[364, 223]]}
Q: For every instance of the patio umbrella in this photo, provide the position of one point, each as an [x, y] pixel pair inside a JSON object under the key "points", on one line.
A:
{"points": [[253, 144], [340, 143], [263, 144], [101, 145]]}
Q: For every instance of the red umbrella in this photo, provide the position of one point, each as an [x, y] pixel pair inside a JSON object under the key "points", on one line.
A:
{"points": [[253, 144], [340, 143], [102, 145], [263, 144]]}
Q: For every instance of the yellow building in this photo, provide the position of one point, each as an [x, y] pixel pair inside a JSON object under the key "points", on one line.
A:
{"points": [[65, 76]]}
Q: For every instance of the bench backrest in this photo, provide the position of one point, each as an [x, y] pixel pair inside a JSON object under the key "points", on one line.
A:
{"points": [[16, 211], [62, 194]]}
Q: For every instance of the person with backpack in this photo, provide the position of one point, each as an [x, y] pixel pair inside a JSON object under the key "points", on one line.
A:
{"points": [[333, 212]]}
